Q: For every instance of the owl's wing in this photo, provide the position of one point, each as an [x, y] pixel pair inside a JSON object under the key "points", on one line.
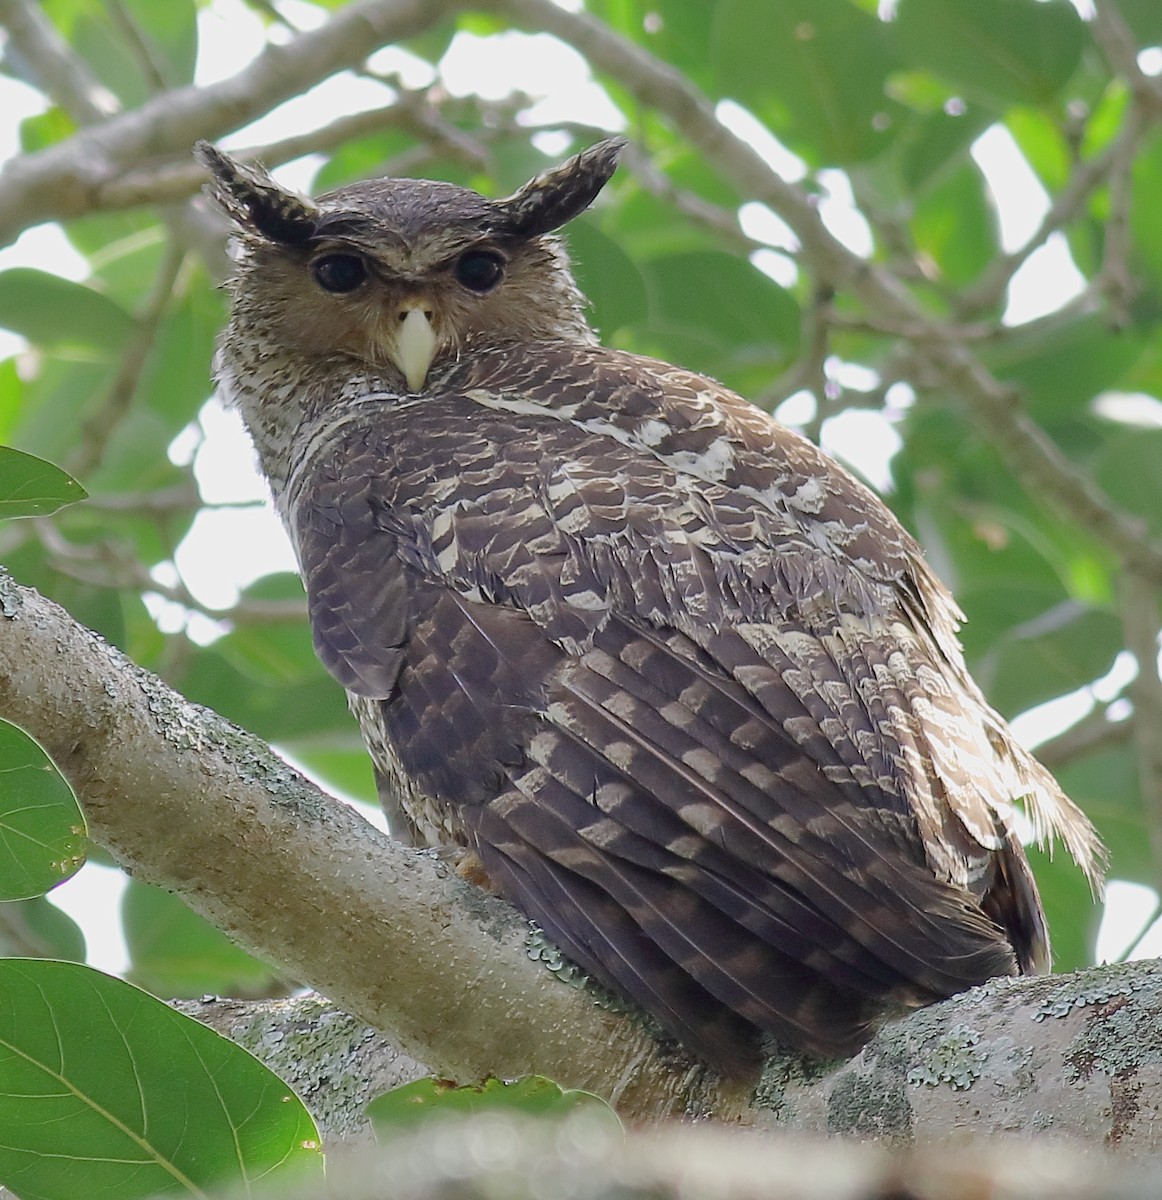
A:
{"points": [[637, 708], [357, 598], [668, 834]]}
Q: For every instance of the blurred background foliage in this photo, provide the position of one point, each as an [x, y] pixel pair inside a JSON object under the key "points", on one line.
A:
{"points": [[879, 118]]}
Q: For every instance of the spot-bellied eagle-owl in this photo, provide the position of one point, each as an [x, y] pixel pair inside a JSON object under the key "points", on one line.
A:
{"points": [[681, 686]]}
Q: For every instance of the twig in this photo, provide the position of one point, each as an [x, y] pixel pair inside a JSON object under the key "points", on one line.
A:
{"points": [[104, 565], [179, 498], [152, 66], [1095, 732], [1115, 280], [415, 111], [1140, 623], [986, 293], [722, 222], [100, 426], [807, 372], [63, 74], [1112, 33]]}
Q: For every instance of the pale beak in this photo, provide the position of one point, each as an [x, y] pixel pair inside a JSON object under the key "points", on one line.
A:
{"points": [[415, 344]]}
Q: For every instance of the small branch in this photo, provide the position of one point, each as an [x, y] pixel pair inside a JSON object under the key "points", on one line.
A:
{"points": [[416, 112], [721, 222], [152, 68], [808, 371], [172, 181], [1112, 33], [917, 331], [64, 75], [1095, 732], [105, 565], [178, 498], [988, 291], [100, 426], [1140, 622], [1042, 467], [1115, 280]]}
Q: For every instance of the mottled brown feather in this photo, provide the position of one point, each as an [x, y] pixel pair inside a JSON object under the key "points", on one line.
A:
{"points": [[685, 688]]}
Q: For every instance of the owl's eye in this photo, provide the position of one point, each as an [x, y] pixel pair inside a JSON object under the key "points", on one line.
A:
{"points": [[340, 272], [479, 270]]}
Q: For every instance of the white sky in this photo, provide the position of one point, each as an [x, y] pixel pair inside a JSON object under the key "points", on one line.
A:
{"points": [[226, 550]]}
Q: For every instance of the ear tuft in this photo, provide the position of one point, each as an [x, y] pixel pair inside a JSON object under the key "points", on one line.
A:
{"points": [[559, 194], [250, 197]]}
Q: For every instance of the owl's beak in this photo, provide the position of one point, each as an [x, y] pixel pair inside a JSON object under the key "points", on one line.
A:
{"points": [[415, 344]]}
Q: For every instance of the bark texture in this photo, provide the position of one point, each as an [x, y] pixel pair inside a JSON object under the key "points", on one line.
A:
{"points": [[452, 976]]}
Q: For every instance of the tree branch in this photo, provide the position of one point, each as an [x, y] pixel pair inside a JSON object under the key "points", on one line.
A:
{"points": [[1139, 612], [61, 180], [393, 935], [101, 424], [184, 799], [1075, 1055], [64, 75]]}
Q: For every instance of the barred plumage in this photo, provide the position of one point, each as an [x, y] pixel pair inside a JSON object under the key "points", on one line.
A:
{"points": [[684, 687]]}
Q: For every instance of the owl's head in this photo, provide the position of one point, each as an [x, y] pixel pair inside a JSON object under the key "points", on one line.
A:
{"points": [[401, 273]]}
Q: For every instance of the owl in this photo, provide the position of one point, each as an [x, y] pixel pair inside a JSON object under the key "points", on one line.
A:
{"points": [[681, 689]]}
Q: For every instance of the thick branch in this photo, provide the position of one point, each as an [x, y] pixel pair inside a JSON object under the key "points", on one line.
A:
{"points": [[184, 799], [393, 935], [1077, 1056]]}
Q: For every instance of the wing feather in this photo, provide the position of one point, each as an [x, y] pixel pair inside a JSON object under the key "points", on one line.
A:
{"points": [[687, 689]]}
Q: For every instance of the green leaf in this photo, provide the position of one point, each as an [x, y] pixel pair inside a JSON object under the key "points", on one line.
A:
{"points": [[1070, 908], [36, 928], [42, 829], [176, 382], [49, 310], [1128, 468], [815, 70], [608, 277], [935, 146], [31, 487], [1059, 651], [954, 225], [998, 51], [288, 710], [176, 953], [1061, 367], [56, 402], [1145, 228], [11, 397], [1041, 141], [405, 1107], [1144, 17], [110, 1094], [150, 47], [713, 312]]}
